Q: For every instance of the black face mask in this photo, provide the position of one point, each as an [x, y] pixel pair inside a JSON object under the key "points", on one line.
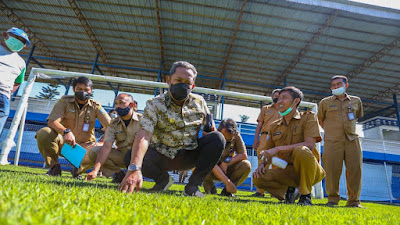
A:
{"points": [[275, 100], [179, 91], [123, 112], [82, 95]]}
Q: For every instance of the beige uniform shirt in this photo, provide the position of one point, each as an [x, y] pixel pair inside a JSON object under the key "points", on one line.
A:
{"points": [[235, 146], [301, 126], [268, 115], [174, 127], [122, 135], [67, 112], [334, 114]]}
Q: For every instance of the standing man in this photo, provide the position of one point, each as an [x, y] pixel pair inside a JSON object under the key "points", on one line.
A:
{"points": [[233, 167], [12, 68], [293, 139], [269, 114], [338, 116], [122, 131], [172, 122], [71, 121]]}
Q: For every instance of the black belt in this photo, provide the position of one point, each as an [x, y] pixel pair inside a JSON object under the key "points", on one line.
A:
{"points": [[264, 132]]}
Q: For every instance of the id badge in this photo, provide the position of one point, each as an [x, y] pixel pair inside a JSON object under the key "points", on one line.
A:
{"points": [[85, 127], [351, 116]]}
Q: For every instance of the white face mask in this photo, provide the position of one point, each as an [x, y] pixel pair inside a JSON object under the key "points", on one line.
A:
{"points": [[338, 91]]}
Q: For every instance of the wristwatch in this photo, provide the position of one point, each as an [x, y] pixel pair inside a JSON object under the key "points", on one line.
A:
{"points": [[66, 131], [133, 167]]}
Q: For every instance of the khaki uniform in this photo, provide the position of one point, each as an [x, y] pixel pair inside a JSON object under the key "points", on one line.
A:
{"points": [[123, 137], [268, 115], [237, 172], [67, 112], [341, 143], [303, 168]]}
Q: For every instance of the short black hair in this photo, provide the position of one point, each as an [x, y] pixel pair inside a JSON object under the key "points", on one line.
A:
{"points": [[82, 80], [275, 90], [344, 78], [111, 111], [294, 92], [229, 124]]}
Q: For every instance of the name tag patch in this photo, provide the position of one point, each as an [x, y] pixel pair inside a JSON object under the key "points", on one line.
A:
{"points": [[85, 127]]}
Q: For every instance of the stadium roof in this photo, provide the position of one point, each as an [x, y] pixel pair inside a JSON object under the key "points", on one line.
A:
{"points": [[254, 45]]}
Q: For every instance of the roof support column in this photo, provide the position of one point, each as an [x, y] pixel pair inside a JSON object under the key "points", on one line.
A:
{"points": [[159, 76], [95, 64], [232, 43], [223, 97], [396, 107]]}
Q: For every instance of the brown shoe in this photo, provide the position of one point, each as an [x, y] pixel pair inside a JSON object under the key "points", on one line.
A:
{"points": [[54, 170]]}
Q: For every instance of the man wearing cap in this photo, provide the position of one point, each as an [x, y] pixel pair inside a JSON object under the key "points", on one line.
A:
{"points": [[338, 116], [172, 121], [71, 121], [269, 114], [12, 68], [233, 167], [122, 131], [293, 139]]}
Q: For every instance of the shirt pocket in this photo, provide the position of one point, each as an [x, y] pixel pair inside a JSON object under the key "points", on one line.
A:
{"points": [[70, 114], [332, 111], [120, 136], [276, 137]]}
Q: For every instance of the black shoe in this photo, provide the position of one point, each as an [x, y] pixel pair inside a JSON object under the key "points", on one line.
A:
{"points": [[227, 194], [118, 177], [305, 200], [212, 191], [54, 170], [191, 190], [75, 174], [291, 195], [163, 185], [331, 204], [258, 195]]}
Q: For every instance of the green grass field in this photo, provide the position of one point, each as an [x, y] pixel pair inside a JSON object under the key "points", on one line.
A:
{"points": [[29, 197]]}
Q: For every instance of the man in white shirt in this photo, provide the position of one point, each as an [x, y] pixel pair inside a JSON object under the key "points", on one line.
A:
{"points": [[12, 68]]}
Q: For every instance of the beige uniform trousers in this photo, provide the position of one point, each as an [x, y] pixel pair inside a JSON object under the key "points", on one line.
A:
{"points": [[50, 144], [304, 173], [335, 152], [262, 142], [112, 165], [237, 173]]}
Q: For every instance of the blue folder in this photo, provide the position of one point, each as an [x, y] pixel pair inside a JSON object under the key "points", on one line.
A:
{"points": [[74, 155]]}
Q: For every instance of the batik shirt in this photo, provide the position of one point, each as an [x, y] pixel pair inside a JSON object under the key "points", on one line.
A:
{"points": [[173, 127]]}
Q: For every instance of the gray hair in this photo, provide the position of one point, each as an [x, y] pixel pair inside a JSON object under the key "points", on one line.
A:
{"points": [[125, 95], [183, 64]]}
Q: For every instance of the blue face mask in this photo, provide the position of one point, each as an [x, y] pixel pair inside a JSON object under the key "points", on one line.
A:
{"points": [[124, 111], [338, 91], [287, 111], [14, 44]]}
